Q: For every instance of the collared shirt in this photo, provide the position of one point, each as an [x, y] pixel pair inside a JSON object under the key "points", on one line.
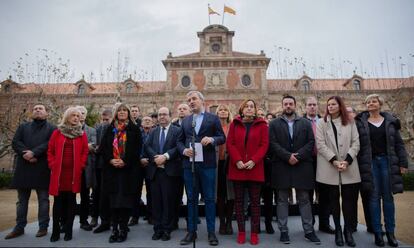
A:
{"points": [[165, 133], [198, 120]]}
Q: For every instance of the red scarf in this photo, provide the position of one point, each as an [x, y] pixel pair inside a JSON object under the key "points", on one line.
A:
{"points": [[120, 138]]}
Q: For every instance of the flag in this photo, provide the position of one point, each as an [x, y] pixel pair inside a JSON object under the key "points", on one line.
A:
{"points": [[229, 10], [212, 12]]}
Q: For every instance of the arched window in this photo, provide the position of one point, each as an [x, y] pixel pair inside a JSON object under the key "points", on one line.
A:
{"points": [[305, 85], [129, 88], [357, 84], [81, 89]]}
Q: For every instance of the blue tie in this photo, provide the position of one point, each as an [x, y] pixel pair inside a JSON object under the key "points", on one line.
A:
{"points": [[162, 139]]}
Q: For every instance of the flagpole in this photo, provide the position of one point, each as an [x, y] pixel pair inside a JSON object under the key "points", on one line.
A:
{"points": [[222, 21], [208, 14]]}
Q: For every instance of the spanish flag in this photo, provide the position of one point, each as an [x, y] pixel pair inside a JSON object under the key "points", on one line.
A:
{"points": [[212, 12], [229, 10]]}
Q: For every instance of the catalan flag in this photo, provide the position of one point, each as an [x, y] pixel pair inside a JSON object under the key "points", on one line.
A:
{"points": [[229, 10], [211, 11]]}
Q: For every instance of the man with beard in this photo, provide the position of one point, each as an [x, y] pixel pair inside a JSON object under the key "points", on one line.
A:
{"points": [[291, 144], [32, 172]]}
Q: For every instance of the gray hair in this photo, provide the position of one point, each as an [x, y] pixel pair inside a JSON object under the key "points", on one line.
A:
{"points": [[196, 92], [82, 108], [378, 97], [69, 111]]}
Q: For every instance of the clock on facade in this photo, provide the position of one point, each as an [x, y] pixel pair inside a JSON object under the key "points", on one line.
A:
{"points": [[216, 47]]}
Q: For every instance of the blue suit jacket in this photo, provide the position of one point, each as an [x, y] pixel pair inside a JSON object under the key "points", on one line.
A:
{"points": [[152, 148], [210, 127]]}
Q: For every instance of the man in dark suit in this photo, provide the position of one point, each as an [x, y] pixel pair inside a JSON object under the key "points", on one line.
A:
{"points": [[209, 134], [164, 169]]}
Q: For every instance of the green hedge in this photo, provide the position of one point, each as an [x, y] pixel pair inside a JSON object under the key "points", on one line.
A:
{"points": [[5, 179], [408, 181]]}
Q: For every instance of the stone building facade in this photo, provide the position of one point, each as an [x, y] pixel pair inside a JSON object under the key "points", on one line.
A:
{"points": [[223, 75]]}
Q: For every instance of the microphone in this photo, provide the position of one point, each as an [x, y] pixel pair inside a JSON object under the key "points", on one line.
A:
{"points": [[193, 124]]}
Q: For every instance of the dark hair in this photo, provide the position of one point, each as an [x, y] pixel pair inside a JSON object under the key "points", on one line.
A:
{"points": [[289, 97], [273, 116], [243, 105], [107, 112], [154, 115], [342, 110]]}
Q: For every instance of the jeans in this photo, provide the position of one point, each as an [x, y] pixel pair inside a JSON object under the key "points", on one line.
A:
{"points": [[382, 190], [207, 179], [23, 196]]}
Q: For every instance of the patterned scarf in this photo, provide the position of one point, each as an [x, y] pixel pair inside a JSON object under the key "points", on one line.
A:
{"points": [[120, 138], [71, 131]]}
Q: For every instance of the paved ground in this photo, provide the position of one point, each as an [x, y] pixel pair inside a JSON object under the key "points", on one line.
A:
{"points": [[140, 236]]}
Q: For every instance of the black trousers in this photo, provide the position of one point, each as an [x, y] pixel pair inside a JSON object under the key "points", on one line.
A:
{"points": [[84, 202], [269, 196], [365, 195], [104, 207], [136, 209], [64, 206], [119, 218], [349, 194], [224, 205], [324, 206], [178, 199], [96, 193], [164, 192]]}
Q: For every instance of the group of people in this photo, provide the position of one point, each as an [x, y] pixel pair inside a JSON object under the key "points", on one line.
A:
{"points": [[229, 161]]}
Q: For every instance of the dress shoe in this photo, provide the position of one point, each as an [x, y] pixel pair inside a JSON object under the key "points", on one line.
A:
{"points": [[14, 234], [41, 233], [165, 236], [212, 239], [241, 237], [392, 241], [189, 238], [327, 229], [114, 236], [379, 240], [85, 226], [222, 228], [313, 238], [339, 239], [94, 222], [157, 235], [102, 228], [348, 238], [133, 221], [254, 239], [269, 227], [123, 234], [68, 236], [284, 238], [55, 237]]}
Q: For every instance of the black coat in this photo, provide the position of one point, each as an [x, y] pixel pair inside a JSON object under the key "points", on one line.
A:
{"points": [[284, 175], [173, 166], [122, 180], [397, 155], [32, 136]]}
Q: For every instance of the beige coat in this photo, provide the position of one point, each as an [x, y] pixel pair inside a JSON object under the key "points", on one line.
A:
{"points": [[348, 143]]}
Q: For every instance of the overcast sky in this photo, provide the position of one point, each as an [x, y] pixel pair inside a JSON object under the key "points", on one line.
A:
{"points": [[324, 38]]}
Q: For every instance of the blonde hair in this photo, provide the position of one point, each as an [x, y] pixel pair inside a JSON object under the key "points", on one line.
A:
{"points": [[226, 107], [68, 112], [82, 108], [378, 97]]}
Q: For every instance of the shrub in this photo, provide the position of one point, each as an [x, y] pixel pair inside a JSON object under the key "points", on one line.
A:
{"points": [[5, 179], [408, 180]]}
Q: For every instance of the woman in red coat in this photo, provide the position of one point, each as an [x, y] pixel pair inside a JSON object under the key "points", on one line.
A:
{"points": [[67, 154], [247, 144]]}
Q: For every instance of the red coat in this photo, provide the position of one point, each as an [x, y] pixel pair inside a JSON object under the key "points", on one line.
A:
{"points": [[255, 149], [54, 157]]}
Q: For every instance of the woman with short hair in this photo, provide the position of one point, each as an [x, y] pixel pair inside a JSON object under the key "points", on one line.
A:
{"points": [[383, 159]]}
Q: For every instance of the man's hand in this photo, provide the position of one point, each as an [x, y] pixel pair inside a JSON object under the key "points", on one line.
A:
{"points": [[188, 152], [240, 165], [91, 147], [33, 160], [403, 170], [144, 162], [28, 155], [293, 160], [206, 141], [159, 160]]}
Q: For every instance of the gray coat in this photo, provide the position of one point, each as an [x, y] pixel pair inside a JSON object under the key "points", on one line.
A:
{"points": [[32, 136], [284, 175], [89, 171]]}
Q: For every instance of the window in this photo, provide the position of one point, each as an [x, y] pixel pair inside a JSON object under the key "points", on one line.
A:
{"points": [[213, 109], [246, 80], [7, 88], [305, 85], [185, 81], [216, 48], [129, 88], [357, 84], [81, 89]]}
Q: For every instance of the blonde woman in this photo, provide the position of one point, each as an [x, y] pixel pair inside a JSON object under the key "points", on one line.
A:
{"points": [[67, 155]]}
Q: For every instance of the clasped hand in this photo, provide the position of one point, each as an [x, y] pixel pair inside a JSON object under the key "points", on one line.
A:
{"points": [[340, 165], [248, 165], [117, 162]]}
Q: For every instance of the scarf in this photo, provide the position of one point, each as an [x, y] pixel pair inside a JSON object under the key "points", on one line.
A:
{"points": [[71, 131], [120, 138]]}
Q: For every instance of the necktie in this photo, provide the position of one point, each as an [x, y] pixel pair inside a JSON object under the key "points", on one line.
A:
{"points": [[162, 139]]}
